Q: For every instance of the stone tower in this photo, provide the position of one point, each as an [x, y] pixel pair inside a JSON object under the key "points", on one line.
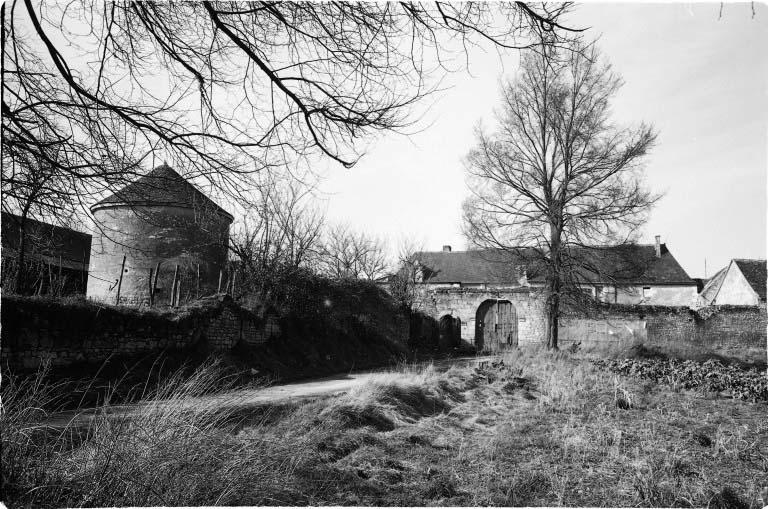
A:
{"points": [[159, 220]]}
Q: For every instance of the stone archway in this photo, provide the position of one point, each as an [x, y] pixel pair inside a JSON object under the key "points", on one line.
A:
{"points": [[449, 332], [495, 326]]}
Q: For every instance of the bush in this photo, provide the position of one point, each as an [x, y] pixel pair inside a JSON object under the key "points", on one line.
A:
{"points": [[711, 376]]}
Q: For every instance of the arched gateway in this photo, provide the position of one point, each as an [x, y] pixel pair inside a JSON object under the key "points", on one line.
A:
{"points": [[450, 332], [495, 326]]}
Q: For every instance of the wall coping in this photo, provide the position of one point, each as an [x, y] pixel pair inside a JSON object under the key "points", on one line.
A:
{"points": [[481, 291]]}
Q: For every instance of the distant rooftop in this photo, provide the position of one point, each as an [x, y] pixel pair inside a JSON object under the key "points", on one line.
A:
{"points": [[47, 240], [625, 264], [755, 273]]}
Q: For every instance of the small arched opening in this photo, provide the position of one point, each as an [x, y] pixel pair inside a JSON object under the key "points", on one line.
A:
{"points": [[495, 326], [449, 332]]}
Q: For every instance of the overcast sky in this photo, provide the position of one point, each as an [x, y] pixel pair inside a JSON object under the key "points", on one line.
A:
{"points": [[702, 81]]}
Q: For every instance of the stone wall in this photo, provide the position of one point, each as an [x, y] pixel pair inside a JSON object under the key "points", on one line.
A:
{"points": [[716, 326], [463, 303], [728, 326], [65, 333], [157, 238]]}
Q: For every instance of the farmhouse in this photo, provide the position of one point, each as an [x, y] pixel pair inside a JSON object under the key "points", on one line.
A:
{"points": [[495, 298], [740, 283], [157, 236]]}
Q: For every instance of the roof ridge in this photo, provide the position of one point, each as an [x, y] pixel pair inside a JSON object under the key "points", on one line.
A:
{"points": [[162, 185]]}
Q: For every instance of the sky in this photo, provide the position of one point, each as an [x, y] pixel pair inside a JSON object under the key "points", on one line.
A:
{"points": [[700, 79]]}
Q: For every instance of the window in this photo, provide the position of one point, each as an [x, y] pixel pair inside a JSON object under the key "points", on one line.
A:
{"points": [[646, 292]]}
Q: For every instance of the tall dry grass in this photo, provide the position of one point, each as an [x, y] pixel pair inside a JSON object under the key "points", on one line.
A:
{"points": [[165, 451], [190, 442]]}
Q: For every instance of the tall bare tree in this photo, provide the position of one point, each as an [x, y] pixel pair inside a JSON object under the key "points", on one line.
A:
{"points": [[558, 180], [226, 90]]}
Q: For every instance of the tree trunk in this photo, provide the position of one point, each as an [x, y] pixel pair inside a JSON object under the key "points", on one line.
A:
{"points": [[553, 287], [553, 314], [20, 258]]}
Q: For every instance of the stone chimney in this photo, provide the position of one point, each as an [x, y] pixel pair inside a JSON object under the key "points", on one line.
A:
{"points": [[658, 246], [446, 249]]}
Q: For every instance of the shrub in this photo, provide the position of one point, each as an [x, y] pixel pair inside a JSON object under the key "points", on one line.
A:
{"points": [[710, 376]]}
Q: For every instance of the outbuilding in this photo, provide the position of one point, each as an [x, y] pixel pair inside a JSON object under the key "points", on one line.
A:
{"points": [[741, 283], [160, 225]]}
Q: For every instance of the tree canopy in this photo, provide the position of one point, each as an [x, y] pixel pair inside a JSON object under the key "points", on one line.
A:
{"points": [[227, 89]]}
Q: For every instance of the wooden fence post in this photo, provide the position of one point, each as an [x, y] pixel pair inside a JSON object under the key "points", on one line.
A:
{"points": [[178, 292], [234, 277], [84, 275], [173, 286], [149, 282], [221, 274], [120, 282], [153, 289], [197, 289]]}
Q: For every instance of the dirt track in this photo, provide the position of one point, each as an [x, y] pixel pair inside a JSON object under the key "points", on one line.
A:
{"points": [[247, 398]]}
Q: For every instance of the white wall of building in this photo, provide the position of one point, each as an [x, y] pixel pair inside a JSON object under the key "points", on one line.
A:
{"points": [[735, 290], [666, 295]]}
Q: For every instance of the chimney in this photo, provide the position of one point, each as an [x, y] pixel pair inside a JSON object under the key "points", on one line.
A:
{"points": [[446, 249], [658, 246]]}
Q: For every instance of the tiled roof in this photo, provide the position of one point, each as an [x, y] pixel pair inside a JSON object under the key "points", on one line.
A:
{"points": [[626, 264], [47, 239], [161, 186], [755, 273], [487, 266]]}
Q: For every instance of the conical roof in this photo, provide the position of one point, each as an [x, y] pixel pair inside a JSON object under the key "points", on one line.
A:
{"points": [[161, 186]]}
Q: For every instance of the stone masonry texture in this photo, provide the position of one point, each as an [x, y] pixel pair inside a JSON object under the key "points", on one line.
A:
{"points": [[728, 326], [148, 235], [40, 330]]}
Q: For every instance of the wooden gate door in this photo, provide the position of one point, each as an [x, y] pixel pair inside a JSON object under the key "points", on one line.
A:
{"points": [[506, 324], [484, 326], [496, 326]]}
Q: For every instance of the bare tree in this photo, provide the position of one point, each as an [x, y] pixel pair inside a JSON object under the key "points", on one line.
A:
{"points": [[227, 89], [32, 189], [558, 180], [403, 285], [279, 235], [349, 254]]}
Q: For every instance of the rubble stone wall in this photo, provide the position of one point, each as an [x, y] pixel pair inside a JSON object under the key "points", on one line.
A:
{"points": [[36, 330], [716, 326]]}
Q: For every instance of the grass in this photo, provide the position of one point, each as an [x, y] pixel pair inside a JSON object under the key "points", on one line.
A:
{"points": [[535, 429]]}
